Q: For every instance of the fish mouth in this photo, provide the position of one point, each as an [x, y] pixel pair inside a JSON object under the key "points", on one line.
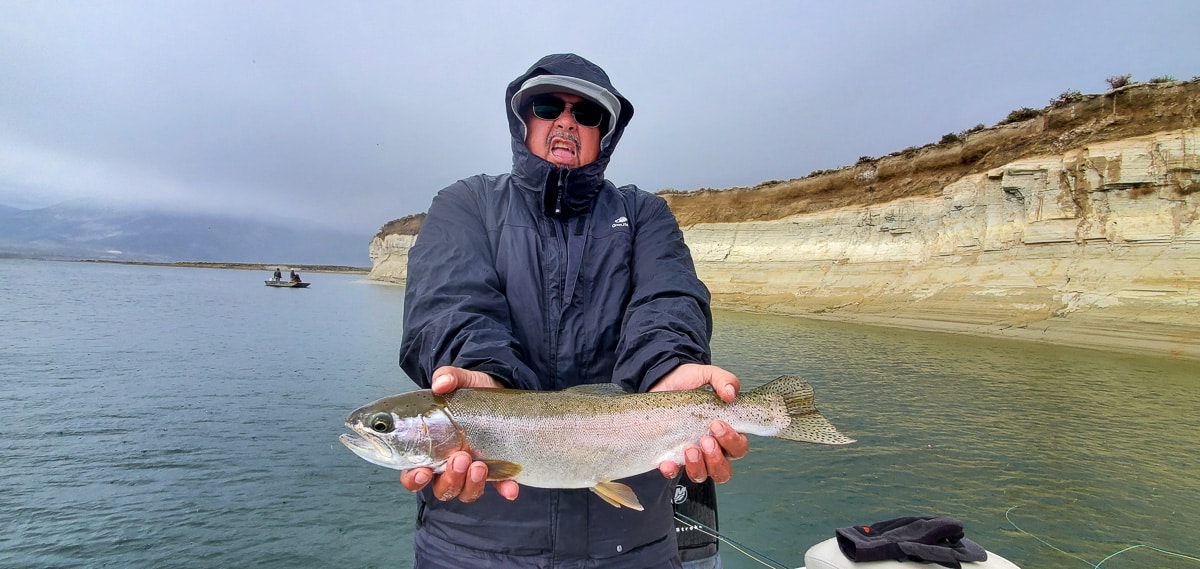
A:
{"points": [[369, 447]]}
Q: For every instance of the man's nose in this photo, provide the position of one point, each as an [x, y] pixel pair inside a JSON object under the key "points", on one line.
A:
{"points": [[566, 119]]}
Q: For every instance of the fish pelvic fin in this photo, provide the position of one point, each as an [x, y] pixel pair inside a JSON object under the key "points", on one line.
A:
{"points": [[807, 425], [617, 494], [502, 469]]}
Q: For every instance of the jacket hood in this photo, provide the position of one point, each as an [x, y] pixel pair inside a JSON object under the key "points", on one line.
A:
{"points": [[532, 171]]}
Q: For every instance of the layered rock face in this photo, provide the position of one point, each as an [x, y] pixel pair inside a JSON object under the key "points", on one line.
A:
{"points": [[389, 257], [1095, 247]]}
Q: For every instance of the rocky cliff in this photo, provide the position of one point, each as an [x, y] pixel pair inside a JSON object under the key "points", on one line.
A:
{"points": [[389, 257], [1078, 226], [389, 248], [1097, 247]]}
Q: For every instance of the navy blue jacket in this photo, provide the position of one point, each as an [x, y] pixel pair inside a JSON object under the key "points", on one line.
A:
{"points": [[547, 278]]}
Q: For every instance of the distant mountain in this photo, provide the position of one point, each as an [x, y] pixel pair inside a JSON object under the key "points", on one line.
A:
{"points": [[78, 230]]}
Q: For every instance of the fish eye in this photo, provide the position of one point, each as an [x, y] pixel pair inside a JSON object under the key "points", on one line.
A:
{"points": [[381, 422]]}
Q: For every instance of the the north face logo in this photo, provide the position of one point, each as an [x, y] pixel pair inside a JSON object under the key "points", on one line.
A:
{"points": [[621, 222]]}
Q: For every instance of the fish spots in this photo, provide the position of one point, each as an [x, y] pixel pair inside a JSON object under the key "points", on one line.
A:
{"points": [[582, 437]]}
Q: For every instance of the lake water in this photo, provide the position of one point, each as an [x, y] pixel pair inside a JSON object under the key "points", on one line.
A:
{"points": [[178, 417]]}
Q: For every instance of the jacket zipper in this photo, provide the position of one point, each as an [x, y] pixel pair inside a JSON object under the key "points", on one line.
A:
{"points": [[555, 315], [558, 192]]}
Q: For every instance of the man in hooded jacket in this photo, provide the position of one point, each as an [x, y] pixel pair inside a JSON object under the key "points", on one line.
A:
{"points": [[546, 278]]}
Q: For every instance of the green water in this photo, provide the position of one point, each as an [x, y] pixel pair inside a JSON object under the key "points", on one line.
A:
{"points": [[1089, 451], [171, 417]]}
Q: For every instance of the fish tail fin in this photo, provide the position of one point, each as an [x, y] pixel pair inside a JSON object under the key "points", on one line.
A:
{"points": [[807, 424]]}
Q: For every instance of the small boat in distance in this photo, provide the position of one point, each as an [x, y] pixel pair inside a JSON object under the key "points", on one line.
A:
{"points": [[287, 284], [292, 282]]}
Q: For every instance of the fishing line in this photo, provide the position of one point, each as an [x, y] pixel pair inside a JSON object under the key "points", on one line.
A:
{"points": [[743, 549], [1102, 561]]}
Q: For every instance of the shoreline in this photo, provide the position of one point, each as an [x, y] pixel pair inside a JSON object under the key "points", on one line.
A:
{"points": [[1152, 341], [342, 269]]}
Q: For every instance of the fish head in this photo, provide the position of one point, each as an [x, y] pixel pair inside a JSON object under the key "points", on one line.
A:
{"points": [[405, 431]]}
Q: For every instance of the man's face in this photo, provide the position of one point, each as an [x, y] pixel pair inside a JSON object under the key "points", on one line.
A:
{"points": [[562, 141]]}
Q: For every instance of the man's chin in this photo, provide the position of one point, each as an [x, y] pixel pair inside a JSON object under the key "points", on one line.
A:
{"points": [[558, 163]]}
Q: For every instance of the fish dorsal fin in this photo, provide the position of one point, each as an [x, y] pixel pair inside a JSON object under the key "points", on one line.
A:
{"points": [[502, 469], [617, 494], [597, 389]]}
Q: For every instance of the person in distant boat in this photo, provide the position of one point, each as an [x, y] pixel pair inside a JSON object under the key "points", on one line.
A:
{"points": [[295, 277], [545, 278], [278, 275]]}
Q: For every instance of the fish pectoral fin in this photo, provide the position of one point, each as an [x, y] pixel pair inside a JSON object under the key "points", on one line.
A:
{"points": [[502, 469], [618, 495]]}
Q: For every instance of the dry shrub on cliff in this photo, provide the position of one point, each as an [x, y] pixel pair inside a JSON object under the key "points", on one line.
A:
{"points": [[1118, 81], [1066, 97], [1021, 114]]}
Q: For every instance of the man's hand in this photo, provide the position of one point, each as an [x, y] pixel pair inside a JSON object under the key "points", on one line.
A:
{"points": [[463, 479], [447, 379], [709, 459]]}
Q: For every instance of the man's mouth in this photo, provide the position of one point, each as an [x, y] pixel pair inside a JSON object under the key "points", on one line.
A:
{"points": [[562, 148]]}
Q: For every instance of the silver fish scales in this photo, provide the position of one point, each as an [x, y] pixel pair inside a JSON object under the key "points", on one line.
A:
{"points": [[588, 436]]}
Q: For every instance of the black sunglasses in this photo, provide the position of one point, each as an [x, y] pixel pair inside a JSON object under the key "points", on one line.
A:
{"points": [[586, 113]]}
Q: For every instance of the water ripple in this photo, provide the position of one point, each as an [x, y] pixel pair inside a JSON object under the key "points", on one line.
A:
{"points": [[187, 418]]}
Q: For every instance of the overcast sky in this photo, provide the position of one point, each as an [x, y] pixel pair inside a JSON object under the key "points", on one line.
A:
{"points": [[355, 113]]}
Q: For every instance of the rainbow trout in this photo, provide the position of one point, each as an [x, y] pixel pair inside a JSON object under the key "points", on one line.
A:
{"points": [[587, 436]]}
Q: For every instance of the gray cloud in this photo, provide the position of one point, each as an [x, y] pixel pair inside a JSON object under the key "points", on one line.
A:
{"points": [[358, 114]]}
